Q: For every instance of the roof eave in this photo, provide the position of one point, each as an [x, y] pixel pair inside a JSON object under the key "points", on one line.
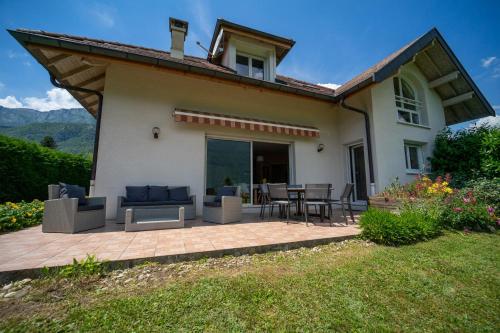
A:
{"points": [[27, 38]]}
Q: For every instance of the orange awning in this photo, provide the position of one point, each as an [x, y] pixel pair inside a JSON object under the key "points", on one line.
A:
{"points": [[249, 124]]}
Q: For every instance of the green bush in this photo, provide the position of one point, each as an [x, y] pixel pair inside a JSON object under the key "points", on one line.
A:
{"points": [[388, 228], [467, 154], [27, 168], [15, 216], [465, 211]]}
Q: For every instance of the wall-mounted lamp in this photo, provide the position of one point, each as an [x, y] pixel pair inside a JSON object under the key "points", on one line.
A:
{"points": [[260, 158], [321, 147], [156, 132]]}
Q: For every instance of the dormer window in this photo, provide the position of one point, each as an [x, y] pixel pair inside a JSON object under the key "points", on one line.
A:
{"points": [[250, 66], [409, 108]]}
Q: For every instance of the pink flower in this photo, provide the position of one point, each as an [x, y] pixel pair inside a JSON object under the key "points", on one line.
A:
{"points": [[457, 209], [466, 200], [491, 210]]}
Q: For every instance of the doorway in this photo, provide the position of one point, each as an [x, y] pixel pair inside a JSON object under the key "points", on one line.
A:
{"points": [[357, 171], [246, 163]]}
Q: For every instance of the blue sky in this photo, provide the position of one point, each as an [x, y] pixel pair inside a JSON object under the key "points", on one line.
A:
{"points": [[335, 40]]}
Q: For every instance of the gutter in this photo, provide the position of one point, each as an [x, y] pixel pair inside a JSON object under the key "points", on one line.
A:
{"points": [[368, 141], [53, 80]]}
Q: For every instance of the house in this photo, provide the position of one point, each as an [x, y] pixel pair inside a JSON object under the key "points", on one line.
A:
{"points": [[164, 117]]}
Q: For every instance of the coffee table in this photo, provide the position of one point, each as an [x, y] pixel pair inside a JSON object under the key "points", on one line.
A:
{"points": [[144, 218]]}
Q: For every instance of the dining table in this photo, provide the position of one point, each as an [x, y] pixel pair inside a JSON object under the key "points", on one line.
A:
{"points": [[300, 191]]}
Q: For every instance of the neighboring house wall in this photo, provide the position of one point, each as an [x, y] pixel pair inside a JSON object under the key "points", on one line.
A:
{"points": [[138, 99], [390, 135]]}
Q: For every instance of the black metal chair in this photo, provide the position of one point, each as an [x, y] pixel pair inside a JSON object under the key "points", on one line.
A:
{"points": [[344, 200], [265, 199], [317, 195], [278, 194]]}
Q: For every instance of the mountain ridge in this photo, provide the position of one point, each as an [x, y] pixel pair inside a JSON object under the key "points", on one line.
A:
{"points": [[72, 129]]}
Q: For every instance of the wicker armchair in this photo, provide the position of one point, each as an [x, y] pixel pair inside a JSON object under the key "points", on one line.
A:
{"points": [[227, 210], [64, 215]]}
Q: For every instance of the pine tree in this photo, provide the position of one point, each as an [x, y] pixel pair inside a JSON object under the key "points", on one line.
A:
{"points": [[48, 142]]}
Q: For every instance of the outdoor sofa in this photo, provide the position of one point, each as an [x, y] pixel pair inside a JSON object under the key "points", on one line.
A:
{"points": [[69, 211], [155, 198], [225, 207]]}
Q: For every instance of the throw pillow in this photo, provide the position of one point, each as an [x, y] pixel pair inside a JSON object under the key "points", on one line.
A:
{"points": [[137, 193]]}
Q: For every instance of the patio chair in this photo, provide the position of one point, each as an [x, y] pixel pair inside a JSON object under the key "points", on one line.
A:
{"points": [[265, 200], [225, 207], [317, 195], [344, 200], [72, 214], [278, 194]]}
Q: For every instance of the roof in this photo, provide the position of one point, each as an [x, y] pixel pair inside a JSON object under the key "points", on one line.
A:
{"points": [[462, 99], [50, 50], [283, 44], [64, 56]]}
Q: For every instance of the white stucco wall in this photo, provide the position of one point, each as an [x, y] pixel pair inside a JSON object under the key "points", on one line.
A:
{"points": [[136, 99], [389, 135]]}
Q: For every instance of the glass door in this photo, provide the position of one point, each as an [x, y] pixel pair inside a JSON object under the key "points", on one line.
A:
{"points": [[229, 164]]}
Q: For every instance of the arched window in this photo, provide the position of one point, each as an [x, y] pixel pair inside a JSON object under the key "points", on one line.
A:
{"points": [[409, 108]]}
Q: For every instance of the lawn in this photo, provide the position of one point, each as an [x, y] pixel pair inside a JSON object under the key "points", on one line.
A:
{"points": [[451, 283]]}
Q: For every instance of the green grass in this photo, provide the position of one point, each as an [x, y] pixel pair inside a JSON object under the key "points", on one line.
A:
{"points": [[451, 283]]}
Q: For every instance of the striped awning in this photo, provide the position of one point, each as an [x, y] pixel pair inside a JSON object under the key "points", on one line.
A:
{"points": [[197, 117]]}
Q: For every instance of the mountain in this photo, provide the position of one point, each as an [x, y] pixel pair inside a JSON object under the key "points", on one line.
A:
{"points": [[72, 129], [70, 137], [20, 117]]}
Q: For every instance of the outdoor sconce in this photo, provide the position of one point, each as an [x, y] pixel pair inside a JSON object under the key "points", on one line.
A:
{"points": [[321, 147], [156, 132]]}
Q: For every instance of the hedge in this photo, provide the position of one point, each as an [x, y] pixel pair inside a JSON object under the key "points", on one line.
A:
{"points": [[27, 168]]}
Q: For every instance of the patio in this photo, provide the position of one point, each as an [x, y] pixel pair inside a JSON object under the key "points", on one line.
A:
{"points": [[28, 250]]}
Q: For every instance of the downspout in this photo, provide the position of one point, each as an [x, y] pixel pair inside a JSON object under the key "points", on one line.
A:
{"points": [[97, 127], [368, 141]]}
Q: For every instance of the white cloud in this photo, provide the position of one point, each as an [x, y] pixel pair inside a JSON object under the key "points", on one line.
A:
{"points": [[496, 107], [486, 62], [56, 99], [10, 102], [201, 14], [2, 85], [493, 121], [104, 15], [330, 85], [16, 55]]}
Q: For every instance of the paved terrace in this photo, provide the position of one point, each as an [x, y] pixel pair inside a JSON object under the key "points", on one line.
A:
{"points": [[30, 249]]}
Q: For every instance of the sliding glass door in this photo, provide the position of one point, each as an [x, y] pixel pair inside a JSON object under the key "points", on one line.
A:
{"points": [[246, 164], [228, 163]]}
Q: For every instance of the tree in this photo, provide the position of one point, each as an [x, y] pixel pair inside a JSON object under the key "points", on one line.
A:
{"points": [[48, 142]]}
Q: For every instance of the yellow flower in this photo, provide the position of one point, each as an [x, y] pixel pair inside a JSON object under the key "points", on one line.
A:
{"points": [[445, 183], [13, 220]]}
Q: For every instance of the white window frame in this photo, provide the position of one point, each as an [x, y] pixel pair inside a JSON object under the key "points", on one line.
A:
{"points": [[249, 64], [420, 156], [419, 106]]}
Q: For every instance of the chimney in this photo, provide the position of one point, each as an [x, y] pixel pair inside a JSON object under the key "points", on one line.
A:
{"points": [[178, 31]]}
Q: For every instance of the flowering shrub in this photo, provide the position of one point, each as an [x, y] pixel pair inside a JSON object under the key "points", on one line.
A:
{"points": [[15, 216], [423, 187], [465, 211]]}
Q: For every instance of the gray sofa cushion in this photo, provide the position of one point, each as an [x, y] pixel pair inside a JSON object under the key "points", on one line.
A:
{"points": [[213, 204], [84, 208], [72, 191], [178, 193], [137, 193], [158, 193], [156, 203]]}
